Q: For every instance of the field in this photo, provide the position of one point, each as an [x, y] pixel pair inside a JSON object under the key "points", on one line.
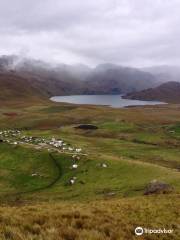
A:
{"points": [[130, 148]]}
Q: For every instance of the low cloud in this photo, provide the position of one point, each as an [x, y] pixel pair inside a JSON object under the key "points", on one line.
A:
{"points": [[127, 32]]}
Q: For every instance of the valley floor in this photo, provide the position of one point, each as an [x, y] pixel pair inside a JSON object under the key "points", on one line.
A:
{"points": [[62, 182]]}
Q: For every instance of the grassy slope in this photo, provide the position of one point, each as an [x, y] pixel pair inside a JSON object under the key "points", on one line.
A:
{"points": [[125, 178], [102, 220], [166, 92], [138, 145]]}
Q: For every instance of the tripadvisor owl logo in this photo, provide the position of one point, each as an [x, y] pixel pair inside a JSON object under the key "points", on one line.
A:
{"points": [[139, 231]]}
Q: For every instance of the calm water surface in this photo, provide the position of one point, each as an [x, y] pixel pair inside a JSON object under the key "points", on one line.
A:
{"points": [[115, 101]]}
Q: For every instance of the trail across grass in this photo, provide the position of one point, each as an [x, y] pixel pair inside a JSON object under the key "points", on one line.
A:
{"points": [[121, 178], [17, 166], [51, 184]]}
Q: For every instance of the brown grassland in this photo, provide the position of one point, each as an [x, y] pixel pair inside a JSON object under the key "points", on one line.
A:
{"points": [[102, 220]]}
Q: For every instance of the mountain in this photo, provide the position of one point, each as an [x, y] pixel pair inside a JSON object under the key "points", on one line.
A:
{"points": [[46, 79], [114, 79], [15, 87], [105, 78], [61, 79], [167, 92]]}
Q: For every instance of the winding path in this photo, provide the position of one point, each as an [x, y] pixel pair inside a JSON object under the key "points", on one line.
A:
{"points": [[59, 175]]}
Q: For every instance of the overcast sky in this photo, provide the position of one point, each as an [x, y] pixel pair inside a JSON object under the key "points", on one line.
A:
{"points": [[126, 32]]}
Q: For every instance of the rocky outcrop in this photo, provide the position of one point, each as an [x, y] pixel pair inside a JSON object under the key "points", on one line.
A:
{"points": [[157, 187]]}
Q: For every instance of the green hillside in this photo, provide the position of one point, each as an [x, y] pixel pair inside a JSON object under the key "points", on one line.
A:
{"points": [[129, 149]]}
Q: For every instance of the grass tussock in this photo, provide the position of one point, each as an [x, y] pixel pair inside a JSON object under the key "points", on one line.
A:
{"points": [[103, 220]]}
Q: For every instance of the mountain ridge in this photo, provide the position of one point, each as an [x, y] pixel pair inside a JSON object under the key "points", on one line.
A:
{"points": [[167, 92], [47, 80]]}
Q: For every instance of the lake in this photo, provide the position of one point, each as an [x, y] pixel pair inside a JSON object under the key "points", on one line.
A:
{"points": [[115, 101]]}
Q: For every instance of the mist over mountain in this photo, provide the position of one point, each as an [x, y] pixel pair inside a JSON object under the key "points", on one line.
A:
{"points": [[165, 73], [109, 78], [62, 79], [45, 79]]}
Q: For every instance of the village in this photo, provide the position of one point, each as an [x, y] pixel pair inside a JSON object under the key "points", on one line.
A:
{"points": [[15, 137], [52, 145]]}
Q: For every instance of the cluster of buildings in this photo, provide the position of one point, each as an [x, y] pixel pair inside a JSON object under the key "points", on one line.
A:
{"points": [[16, 137], [7, 133]]}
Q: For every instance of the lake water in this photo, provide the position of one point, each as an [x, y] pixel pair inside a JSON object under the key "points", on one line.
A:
{"points": [[115, 101]]}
